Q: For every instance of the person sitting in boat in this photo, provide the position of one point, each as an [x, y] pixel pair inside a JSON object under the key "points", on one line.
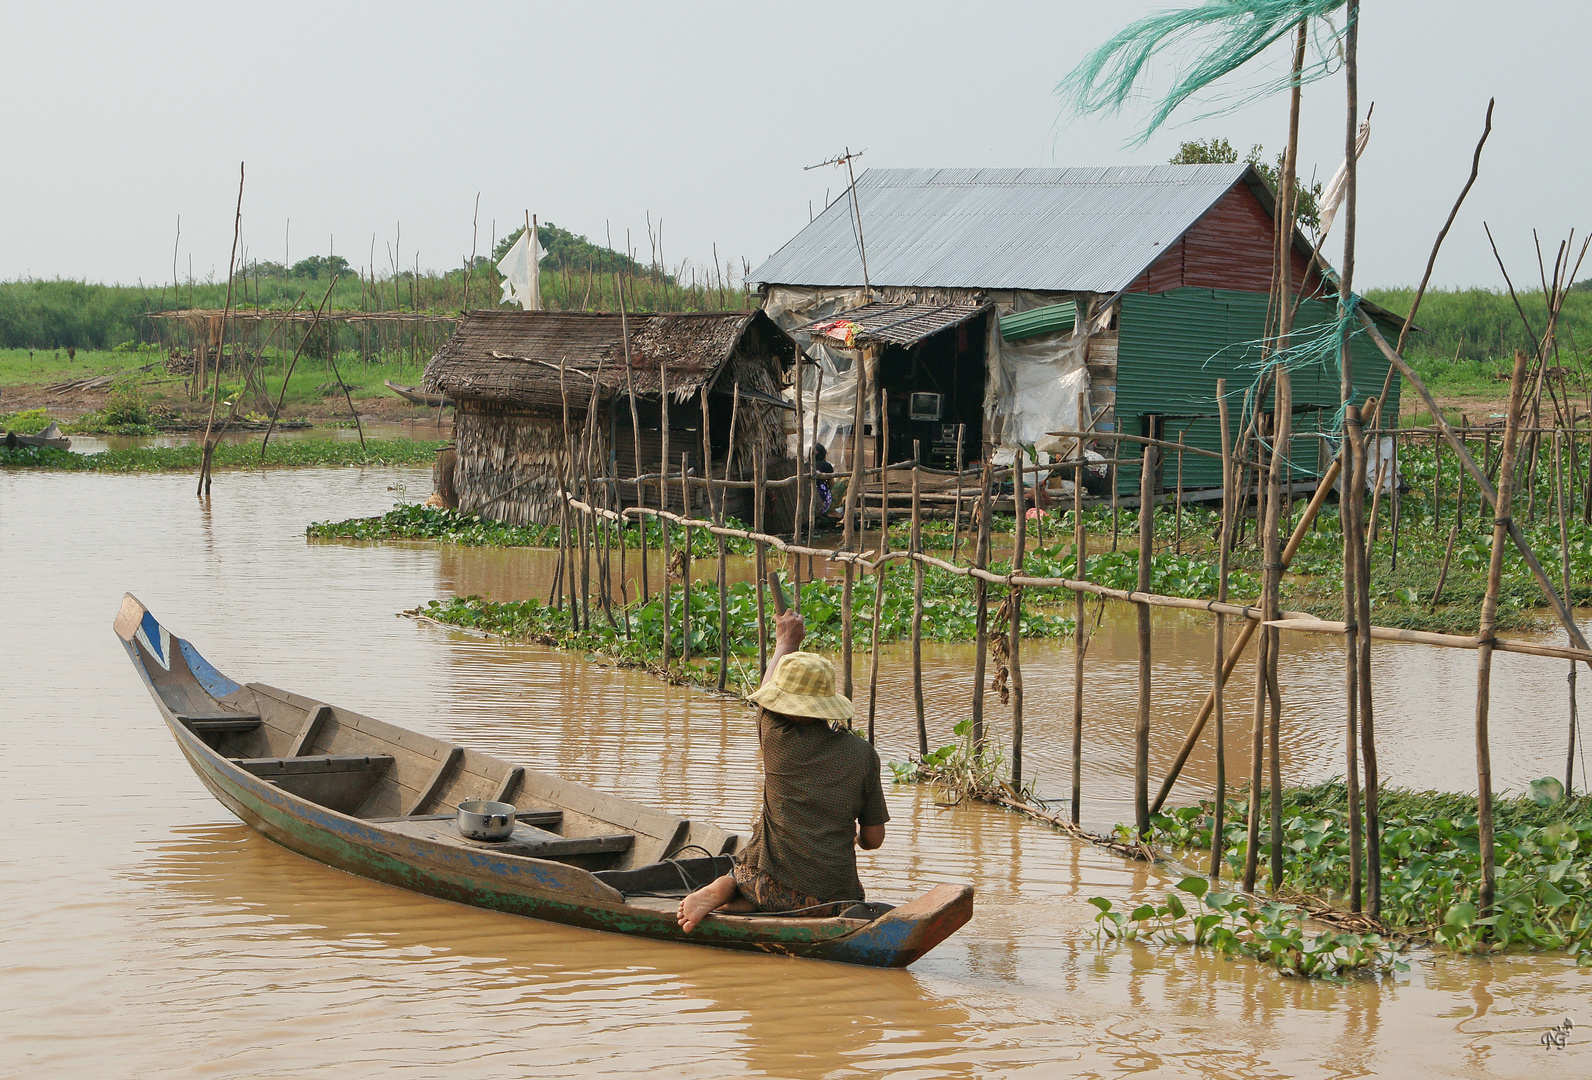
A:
{"points": [[822, 798]]}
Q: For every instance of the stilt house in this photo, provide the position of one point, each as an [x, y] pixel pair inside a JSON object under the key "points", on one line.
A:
{"points": [[993, 298], [533, 388]]}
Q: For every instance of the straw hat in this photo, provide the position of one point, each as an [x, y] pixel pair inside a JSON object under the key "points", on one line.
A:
{"points": [[804, 685]]}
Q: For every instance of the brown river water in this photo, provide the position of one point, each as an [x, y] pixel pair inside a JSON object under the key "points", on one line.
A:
{"points": [[146, 932]]}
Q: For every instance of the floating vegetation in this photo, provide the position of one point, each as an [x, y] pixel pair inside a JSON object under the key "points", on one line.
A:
{"points": [[298, 453], [1234, 925], [635, 637], [418, 522], [1431, 864]]}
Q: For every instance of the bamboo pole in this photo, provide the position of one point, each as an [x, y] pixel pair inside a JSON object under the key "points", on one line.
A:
{"points": [[803, 494], [1273, 576], [1257, 753], [1141, 727], [759, 496], [1219, 678], [849, 526], [561, 575], [1014, 642], [1562, 489], [1178, 545], [1080, 625], [1369, 791], [1323, 489], [878, 574], [956, 512], [635, 428], [1348, 522], [916, 544], [685, 563], [812, 508], [1485, 634], [981, 599], [721, 576], [663, 504]]}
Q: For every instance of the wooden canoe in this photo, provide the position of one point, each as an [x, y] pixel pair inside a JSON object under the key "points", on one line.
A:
{"points": [[377, 800], [418, 396]]}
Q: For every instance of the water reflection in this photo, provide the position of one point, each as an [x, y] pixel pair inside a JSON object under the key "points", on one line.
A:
{"points": [[160, 936]]}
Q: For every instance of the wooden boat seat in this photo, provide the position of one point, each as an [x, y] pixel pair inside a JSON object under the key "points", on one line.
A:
{"points": [[542, 818], [534, 843], [315, 764], [220, 723]]}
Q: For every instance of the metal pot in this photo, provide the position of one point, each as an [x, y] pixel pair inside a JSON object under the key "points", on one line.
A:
{"points": [[483, 819]]}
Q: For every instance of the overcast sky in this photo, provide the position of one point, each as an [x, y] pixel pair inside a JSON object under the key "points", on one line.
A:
{"points": [[354, 118]]}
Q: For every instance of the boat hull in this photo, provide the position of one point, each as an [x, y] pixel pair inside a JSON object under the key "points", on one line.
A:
{"points": [[542, 889]]}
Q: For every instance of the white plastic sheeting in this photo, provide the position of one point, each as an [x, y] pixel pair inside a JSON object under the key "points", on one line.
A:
{"points": [[1032, 385]]}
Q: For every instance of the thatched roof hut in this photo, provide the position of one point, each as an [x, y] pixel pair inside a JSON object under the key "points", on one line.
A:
{"points": [[516, 375]]}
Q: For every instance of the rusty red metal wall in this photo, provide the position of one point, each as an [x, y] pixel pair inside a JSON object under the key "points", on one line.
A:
{"points": [[1228, 248]]}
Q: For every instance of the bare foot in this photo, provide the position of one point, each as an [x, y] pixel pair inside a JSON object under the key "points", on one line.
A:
{"points": [[702, 903]]}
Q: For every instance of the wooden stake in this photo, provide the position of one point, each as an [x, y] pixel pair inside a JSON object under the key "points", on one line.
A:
{"points": [[1014, 642], [1353, 481], [1179, 542], [1371, 786], [635, 430], [1080, 625], [1486, 632], [1562, 489], [1257, 753], [1141, 727], [956, 512], [759, 497], [1273, 577], [663, 504], [1219, 678], [981, 598], [685, 563], [917, 601], [849, 526]]}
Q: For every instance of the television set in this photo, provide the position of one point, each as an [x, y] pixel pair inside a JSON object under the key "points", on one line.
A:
{"points": [[926, 406]]}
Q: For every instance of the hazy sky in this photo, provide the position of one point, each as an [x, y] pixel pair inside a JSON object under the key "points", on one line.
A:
{"points": [[354, 118]]}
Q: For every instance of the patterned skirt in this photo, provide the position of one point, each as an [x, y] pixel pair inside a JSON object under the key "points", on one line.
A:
{"points": [[771, 897]]}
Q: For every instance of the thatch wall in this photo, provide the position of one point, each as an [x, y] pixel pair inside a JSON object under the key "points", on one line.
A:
{"points": [[501, 449]]}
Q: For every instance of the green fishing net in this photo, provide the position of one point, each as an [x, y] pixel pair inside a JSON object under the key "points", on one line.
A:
{"points": [[1220, 37]]}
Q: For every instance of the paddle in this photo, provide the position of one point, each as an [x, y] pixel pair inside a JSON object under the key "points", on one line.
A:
{"points": [[779, 593]]}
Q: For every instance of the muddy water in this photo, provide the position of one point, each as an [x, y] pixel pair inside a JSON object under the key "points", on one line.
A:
{"points": [[145, 932]]}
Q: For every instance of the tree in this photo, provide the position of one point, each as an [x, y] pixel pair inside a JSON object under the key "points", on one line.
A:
{"points": [[317, 267], [564, 248], [1307, 205]]}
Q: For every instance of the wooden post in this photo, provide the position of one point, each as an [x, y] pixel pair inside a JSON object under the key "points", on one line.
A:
{"points": [[1437, 485], [849, 527], [685, 562], [1141, 726], [803, 496], [564, 572], [1080, 624], [1281, 432], [812, 505], [1563, 487], [981, 598], [1014, 641], [917, 600], [1485, 636], [956, 512], [1116, 454], [635, 432], [663, 504], [1353, 494], [879, 572], [1362, 578], [1178, 546], [1257, 752], [1219, 677], [759, 469]]}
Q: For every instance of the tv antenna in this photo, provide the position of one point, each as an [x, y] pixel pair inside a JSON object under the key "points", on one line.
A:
{"points": [[846, 158]]}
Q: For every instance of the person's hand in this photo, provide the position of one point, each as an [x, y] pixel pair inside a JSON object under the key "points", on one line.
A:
{"points": [[790, 630]]}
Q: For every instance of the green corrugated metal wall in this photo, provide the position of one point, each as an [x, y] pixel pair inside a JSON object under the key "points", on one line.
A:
{"points": [[1172, 348]]}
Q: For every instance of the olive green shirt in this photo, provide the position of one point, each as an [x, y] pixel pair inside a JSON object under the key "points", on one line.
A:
{"points": [[819, 784]]}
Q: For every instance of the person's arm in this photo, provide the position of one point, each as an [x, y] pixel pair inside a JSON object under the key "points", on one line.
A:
{"points": [[790, 629], [870, 837]]}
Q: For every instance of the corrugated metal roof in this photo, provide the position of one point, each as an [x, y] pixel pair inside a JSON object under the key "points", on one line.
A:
{"points": [[897, 324], [1062, 230]]}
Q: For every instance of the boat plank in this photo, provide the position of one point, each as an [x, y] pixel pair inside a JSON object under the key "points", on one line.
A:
{"points": [[305, 738]]}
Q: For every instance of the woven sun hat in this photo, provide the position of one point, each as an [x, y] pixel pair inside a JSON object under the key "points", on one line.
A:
{"points": [[804, 685]]}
